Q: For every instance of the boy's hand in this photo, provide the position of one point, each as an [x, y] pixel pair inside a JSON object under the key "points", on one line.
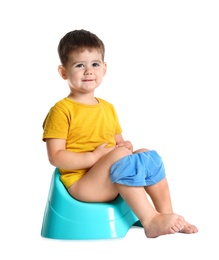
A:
{"points": [[102, 150], [126, 144]]}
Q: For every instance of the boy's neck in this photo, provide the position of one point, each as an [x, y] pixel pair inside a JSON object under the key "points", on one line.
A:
{"points": [[83, 99]]}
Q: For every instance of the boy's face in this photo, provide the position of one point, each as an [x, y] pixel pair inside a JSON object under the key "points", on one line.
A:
{"points": [[84, 70]]}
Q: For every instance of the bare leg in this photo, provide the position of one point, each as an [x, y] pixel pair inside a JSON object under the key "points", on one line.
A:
{"points": [[96, 186], [160, 196], [155, 224]]}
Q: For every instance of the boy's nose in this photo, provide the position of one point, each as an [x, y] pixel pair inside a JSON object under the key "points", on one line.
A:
{"points": [[88, 71]]}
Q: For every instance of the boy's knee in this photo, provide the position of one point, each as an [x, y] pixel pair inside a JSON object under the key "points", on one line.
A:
{"points": [[142, 150], [120, 152], [140, 169]]}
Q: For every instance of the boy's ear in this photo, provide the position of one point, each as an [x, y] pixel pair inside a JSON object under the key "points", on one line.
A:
{"points": [[62, 71], [105, 68]]}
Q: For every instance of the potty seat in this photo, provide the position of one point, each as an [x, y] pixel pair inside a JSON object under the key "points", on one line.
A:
{"points": [[69, 219]]}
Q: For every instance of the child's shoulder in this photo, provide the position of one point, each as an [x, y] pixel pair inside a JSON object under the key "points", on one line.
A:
{"points": [[105, 102], [65, 102]]}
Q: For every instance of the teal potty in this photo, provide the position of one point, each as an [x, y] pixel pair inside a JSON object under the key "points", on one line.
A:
{"points": [[69, 219]]}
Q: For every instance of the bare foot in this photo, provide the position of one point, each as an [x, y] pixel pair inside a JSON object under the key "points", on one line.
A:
{"points": [[163, 224], [189, 229]]}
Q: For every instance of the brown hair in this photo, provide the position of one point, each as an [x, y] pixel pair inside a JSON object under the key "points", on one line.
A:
{"points": [[78, 40]]}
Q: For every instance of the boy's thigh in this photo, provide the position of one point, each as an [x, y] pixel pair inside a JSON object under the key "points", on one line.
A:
{"points": [[95, 185]]}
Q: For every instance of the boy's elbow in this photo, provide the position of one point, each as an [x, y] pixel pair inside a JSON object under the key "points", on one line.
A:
{"points": [[57, 159], [53, 160]]}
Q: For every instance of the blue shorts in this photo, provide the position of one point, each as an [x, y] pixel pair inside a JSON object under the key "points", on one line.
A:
{"points": [[140, 169]]}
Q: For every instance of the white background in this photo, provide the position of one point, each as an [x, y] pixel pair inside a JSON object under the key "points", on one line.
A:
{"points": [[163, 64]]}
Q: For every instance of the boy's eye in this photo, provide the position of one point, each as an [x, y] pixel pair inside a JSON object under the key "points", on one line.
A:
{"points": [[79, 65], [95, 64]]}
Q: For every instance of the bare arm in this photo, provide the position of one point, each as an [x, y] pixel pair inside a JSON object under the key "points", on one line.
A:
{"points": [[61, 158]]}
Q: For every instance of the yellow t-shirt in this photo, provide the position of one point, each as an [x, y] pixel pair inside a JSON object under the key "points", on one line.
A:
{"points": [[84, 127]]}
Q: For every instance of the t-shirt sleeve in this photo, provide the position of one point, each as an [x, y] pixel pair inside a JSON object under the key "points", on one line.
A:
{"points": [[118, 129], [56, 124]]}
